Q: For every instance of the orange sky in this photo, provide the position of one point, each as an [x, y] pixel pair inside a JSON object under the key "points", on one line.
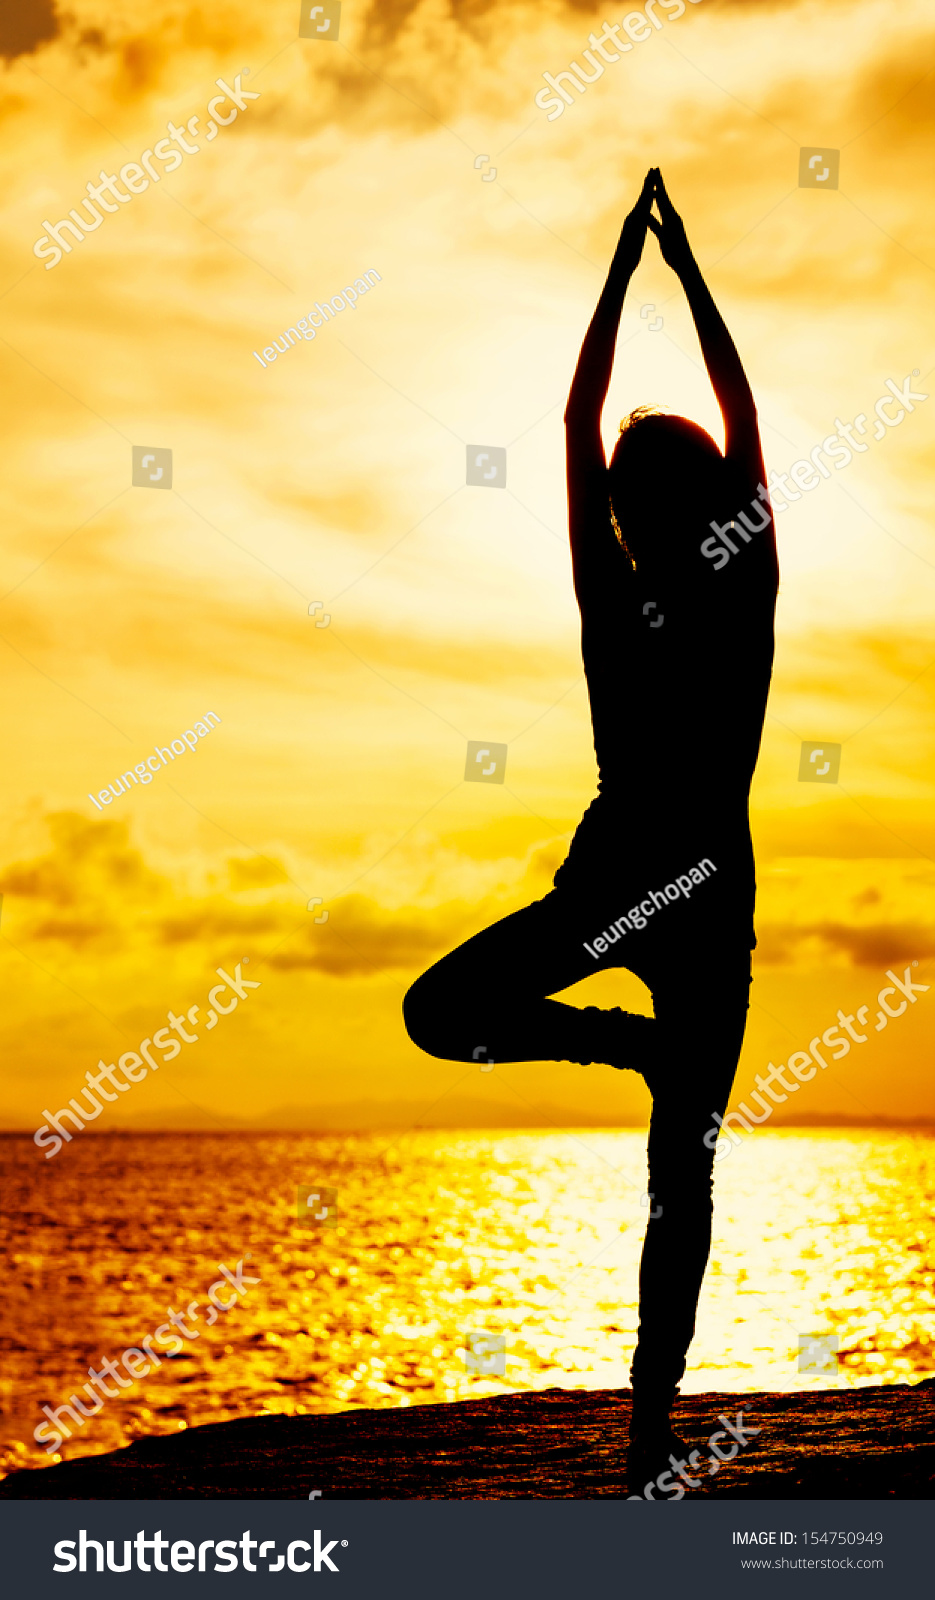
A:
{"points": [[337, 475]]}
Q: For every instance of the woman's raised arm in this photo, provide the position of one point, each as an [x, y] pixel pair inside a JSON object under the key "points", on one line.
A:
{"points": [[595, 363], [588, 511], [725, 369]]}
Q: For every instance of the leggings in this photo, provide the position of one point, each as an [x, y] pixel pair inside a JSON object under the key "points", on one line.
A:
{"points": [[489, 1001]]}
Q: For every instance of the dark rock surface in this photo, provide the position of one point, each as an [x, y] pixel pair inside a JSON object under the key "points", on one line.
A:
{"points": [[859, 1444]]}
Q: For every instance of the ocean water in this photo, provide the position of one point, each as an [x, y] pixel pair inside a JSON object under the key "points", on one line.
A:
{"points": [[438, 1236]]}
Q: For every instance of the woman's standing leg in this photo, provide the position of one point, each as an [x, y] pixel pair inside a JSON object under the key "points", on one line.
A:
{"points": [[701, 1014]]}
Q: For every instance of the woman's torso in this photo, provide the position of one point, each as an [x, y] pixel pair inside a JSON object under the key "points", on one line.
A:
{"points": [[678, 678]]}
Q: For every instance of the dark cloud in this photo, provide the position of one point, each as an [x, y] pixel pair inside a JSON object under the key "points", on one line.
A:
{"points": [[388, 19], [361, 939], [869, 897], [893, 99], [255, 872], [90, 864], [879, 945], [73, 931], [25, 24], [218, 920], [93, 889]]}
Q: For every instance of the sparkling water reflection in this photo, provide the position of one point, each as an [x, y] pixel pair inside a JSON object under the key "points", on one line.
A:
{"points": [[534, 1236]]}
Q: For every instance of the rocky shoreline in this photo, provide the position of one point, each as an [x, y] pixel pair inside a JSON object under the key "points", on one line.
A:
{"points": [[862, 1444]]}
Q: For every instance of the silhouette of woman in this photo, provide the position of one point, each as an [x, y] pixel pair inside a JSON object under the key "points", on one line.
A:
{"points": [[677, 644]]}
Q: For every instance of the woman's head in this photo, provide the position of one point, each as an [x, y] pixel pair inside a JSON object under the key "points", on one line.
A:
{"points": [[668, 481]]}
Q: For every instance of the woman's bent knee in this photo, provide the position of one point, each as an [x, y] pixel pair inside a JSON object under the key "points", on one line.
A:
{"points": [[426, 1010]]}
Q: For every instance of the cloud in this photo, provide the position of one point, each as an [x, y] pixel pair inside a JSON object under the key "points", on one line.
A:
{"points": [[782, 944], [25, 25], [363, 939], [362, 155], [91, 864], [255, 872], [92, 889], [214, 922]]}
